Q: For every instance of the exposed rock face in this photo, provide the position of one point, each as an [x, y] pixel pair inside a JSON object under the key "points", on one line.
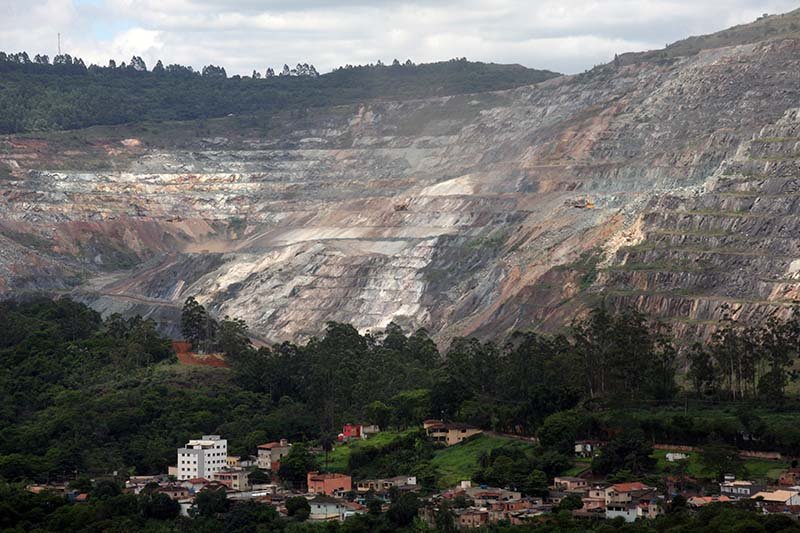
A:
{"points": [[469, 214], [732, 249]]}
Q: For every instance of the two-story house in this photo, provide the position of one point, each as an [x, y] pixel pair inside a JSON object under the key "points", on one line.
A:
{"points": [[449, 433], [737, 489], [570, 484], [631, 501], [328, 483], [271, 453]]}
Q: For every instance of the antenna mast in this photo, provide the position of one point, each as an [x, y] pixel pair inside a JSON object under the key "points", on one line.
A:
{"points": [[59, 43]]}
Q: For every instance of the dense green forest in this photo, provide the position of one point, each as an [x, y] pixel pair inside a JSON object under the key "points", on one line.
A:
{"points": [[36, 95], [82, 394]]}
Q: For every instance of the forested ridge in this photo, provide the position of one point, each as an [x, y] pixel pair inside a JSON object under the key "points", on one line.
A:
{"points": [[85, 394], [37, 95]]}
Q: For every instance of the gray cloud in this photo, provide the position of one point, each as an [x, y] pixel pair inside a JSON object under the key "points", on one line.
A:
{"points": [[563, 35]]}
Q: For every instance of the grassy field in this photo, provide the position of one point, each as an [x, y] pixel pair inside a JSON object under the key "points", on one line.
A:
{"points": [[581, 465], [338, 458], [757, 469], [460, 462], [454, 464]]}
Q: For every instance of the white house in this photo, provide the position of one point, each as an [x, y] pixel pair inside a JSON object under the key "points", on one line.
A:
{"points": [[327, 508], [676, 456], [201, 458], [629, 513], [738, 489]]}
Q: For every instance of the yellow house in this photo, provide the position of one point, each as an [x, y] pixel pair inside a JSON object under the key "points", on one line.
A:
{"points": [[449, 433]]}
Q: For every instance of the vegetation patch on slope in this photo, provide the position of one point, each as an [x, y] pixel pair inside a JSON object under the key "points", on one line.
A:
{"points": [[462, 461]]}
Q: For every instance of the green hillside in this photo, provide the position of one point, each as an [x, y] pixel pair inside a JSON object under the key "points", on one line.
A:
{"points": [[759, 469], [452, 465], [339, 458], [44, 97], [460, 462]]}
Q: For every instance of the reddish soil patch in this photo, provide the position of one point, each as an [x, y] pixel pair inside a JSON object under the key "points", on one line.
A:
{"points": [[187, 357], [29, 144]]}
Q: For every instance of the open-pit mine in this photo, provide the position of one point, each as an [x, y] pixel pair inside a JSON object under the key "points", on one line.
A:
{"points": [[670, 183]]}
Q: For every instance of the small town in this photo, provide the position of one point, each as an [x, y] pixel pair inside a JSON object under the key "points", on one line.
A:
{"points": [[204, 466]]}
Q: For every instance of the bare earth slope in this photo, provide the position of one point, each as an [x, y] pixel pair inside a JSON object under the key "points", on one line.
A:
{"points": [[669, 185]]}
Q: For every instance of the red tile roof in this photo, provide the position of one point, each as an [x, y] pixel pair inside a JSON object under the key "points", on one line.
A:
{"points": [[269, 446], [628, 487], [354, 505], [704, 500]]}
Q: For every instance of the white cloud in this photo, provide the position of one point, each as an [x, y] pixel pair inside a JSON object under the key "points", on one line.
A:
{"points": [[137, 41], [563, 35]]}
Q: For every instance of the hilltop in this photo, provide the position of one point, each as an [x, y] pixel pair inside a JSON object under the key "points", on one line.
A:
{"points": [[68, 95], [785, 25]]}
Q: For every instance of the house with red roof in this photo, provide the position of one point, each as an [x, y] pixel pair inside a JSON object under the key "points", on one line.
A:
{"points": [[631, 501], [271, 453], [696, 502], [196, 484]]}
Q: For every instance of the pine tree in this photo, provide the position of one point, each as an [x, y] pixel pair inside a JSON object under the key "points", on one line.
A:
{"points": [[137, 64]]}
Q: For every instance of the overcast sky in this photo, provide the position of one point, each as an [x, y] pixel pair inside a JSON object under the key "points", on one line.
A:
{"points": [[241, 35]]}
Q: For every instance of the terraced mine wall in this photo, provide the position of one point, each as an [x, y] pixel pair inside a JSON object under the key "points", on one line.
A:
{"points": [[731, 250], [472, 214]]}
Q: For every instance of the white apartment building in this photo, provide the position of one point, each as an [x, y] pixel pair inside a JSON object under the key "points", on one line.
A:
{"points": [[203, 457]]}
